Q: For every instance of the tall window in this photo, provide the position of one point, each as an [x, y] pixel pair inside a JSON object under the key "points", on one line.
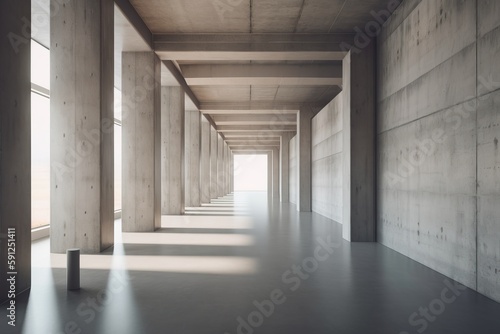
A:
{"points": [[40, 135], [118, 150]]}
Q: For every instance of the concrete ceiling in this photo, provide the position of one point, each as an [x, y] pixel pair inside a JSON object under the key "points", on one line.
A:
{"points": [[248, 65], [252, 64]]}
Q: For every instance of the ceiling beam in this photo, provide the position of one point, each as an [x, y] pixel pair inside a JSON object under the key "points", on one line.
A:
{"points": [[253, 134], [254, 46], [254, 74], [241, 119], [131, 14], [254, 147], [256, 105], [256, 128]]}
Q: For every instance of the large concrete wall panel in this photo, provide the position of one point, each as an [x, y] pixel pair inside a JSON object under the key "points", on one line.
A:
{"points": [[327, 161], [488, 210], [438, 132]]}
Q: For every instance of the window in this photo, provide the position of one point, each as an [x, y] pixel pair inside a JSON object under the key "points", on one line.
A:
{"points": [[40, 135], [118, 150]]}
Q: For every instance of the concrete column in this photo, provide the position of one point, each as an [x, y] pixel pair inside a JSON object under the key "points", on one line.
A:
{"points": [[82, 143], [270, 174], [232, 172], [220, 166], [205, 161], [141, 140], [304, 159], [358, 180], [15, 143], [284, 167], [193, 155], [227, 162], [214, 147], [172, 150], [276, 175]]}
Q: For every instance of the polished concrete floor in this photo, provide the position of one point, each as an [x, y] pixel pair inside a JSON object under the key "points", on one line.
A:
{"points": [[257, 268]]}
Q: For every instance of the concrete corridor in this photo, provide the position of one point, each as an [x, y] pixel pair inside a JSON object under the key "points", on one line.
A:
{"points": [[265, 268]]}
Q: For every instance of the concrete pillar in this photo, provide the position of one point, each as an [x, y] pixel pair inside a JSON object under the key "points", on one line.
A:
{"points": [[270, 174], [172, 150], [141, 149], [227, 162], [276, 175], [15, 143], [205, 161], [232, 172], [193, 155], [358, 177], [214, 147], [284, 167], [304, 159], [220, 166], [82, 120]]}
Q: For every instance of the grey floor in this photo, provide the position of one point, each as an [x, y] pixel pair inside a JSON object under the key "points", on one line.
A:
{"points": [[217, 274]]}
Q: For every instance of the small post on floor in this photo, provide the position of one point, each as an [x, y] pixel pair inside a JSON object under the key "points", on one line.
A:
{"points": [[73, 269]]}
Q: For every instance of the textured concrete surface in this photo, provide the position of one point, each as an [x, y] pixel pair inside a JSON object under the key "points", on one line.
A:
{"points": [[285, 167], [358, 132], [276, 174], [214, 155], [438, 131], [221, 174], [327, 161], [15, 146], [293, 170], [172, 150], [82, 107], [141, 142], [205, 161], [193, 155], [303, 145]]}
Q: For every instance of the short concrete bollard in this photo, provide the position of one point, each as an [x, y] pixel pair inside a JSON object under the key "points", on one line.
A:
{"points": [[73, 269]]}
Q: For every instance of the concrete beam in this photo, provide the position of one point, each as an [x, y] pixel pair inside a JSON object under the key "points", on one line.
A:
{"points": [[141, 126], [131, 14], [252, 112], [15, 142], [254, 147], [257, 128], [252, 135], [254, 74], [277, 46], [246, 106], [259, 119], [253, 142], [81, 117]]}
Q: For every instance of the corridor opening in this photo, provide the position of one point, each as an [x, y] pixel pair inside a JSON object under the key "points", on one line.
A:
{"points": [[250, 172]]}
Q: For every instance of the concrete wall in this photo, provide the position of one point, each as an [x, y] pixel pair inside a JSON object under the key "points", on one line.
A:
{"points": [[293, 171], [438, 131], [327, 161], [15, 145]]}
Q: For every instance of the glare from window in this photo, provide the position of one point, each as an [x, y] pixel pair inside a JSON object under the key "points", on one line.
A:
{"points": [[40, 160], [118, 167], [250, 172], [40, 65]]}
